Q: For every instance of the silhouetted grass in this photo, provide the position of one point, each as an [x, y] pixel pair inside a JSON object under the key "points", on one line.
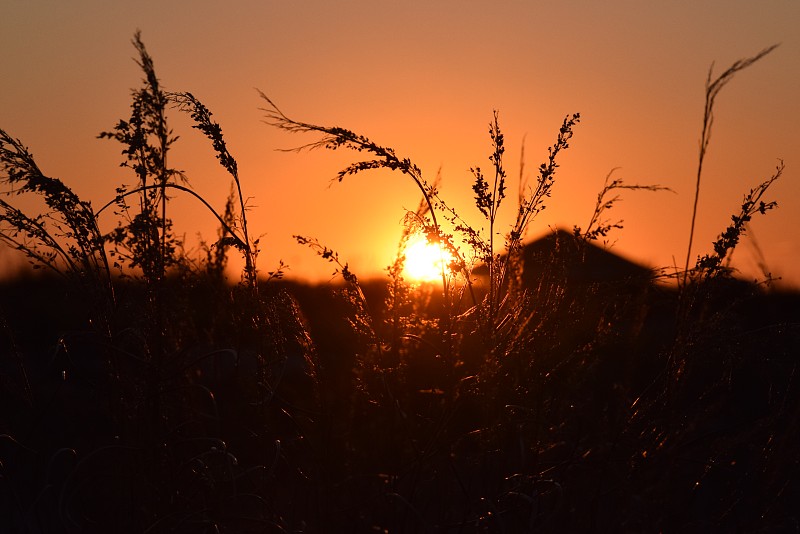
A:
{"points": [[548, 386]]}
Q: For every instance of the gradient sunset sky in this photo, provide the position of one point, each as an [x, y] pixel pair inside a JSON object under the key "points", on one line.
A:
{"points": [[424, 78]]}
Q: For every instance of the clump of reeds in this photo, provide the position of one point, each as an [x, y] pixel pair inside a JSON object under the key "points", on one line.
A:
{"points": [[179, 360], [557, 404], [428, 219], [65, 240], [567, 375]]}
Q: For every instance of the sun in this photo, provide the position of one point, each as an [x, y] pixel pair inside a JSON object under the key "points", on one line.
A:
{"points": [[424, 260]]}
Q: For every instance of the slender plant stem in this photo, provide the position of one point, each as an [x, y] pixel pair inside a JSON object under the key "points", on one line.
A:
{"points": [[712, 90]]}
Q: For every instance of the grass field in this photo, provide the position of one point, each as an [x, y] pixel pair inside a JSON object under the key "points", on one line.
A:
{"points": [[548, 386]]}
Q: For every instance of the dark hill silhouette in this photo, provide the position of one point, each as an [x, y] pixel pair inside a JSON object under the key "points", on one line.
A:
{"points": [[582, 262], [582, 284]]}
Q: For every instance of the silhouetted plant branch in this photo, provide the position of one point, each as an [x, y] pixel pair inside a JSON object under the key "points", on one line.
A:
{"points": [[147, 140], [236, 241], [202, 117], [489, 204], [362, 322], [68, 233], [600, 227], [710, 265], [531, 203]]}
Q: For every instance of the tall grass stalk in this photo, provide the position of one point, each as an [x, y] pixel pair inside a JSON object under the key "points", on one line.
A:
{"points": [[488, 203], [202, 117], [713, 88], [147, 140]]}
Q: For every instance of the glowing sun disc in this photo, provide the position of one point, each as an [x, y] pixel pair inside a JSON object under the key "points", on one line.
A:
{"points": [[424, 260]]}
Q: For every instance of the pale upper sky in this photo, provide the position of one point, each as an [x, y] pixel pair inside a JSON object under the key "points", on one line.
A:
{"points": [[424, 77]]}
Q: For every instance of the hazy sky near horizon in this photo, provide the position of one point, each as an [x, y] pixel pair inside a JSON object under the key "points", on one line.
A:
{"points": [[424, 78]]}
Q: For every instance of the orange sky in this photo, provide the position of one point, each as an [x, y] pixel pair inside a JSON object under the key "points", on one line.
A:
{"points": [[424, 78]]}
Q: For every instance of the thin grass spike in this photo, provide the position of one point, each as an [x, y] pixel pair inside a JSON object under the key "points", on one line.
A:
{"points": [[713, 89]]}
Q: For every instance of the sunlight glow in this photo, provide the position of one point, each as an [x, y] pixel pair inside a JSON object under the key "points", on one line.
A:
{"points": [[424, 260]]}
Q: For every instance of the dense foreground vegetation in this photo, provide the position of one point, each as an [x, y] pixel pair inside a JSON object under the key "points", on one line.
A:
{"points": [[539, 387]]}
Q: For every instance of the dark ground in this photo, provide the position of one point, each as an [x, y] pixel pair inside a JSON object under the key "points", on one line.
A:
{"points": [[618, 414]]}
